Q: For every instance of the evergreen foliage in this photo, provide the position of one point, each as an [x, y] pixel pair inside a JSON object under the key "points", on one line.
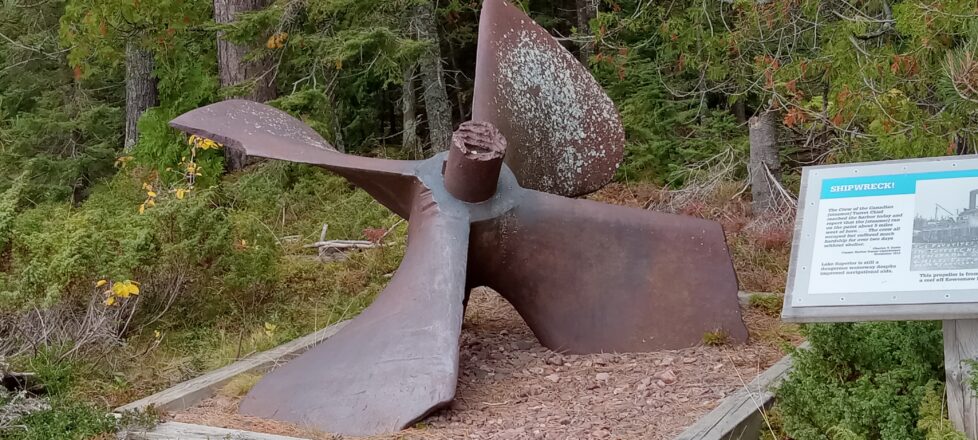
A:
{"points": [[218, 259], [865, 380]]}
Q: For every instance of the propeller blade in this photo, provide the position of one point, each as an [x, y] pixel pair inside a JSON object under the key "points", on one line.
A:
{"points": [[398, 360], [264, 131], [589, 277], [565, 135]]}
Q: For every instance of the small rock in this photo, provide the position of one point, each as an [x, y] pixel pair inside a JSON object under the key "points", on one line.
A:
{"points": [[660, 384], [689, 360], [617, 391], [524, 345], [667, 376], [602, 376], [553, 378], [666, 362], [555, 360]]}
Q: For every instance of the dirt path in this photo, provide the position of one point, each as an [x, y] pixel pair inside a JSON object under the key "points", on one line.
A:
{"points": [[510, 387]]}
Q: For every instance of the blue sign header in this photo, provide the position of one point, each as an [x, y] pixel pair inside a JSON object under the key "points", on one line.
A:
{"points": [[892, 185]]}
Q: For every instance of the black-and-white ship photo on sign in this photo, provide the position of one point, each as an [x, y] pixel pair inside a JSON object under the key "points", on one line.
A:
{"points": [[945, 227]]}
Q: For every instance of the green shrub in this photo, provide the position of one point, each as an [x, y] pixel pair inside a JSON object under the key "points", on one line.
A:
{"points": [[9, 202], [864, 380], [56, 374], [933, 418], [65, 420]]}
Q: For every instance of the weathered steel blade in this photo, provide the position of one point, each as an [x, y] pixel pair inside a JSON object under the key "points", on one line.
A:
{"points": [[398, 360], [264, 131], [589, 277], [565, 135]]}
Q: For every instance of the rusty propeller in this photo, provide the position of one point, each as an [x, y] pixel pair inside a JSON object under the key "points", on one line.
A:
{"points": [[587, 277]]}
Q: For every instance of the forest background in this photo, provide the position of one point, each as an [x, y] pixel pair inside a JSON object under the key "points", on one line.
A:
{"points": [[131, 259]]}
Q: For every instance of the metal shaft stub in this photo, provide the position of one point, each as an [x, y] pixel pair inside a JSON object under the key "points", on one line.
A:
{"points": [[474, 161]]}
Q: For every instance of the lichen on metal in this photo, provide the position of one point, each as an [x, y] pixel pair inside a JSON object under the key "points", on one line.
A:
{"points": [[587, 277]]}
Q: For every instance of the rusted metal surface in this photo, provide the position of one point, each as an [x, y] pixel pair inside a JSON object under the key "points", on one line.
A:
{"points": [[564, 133], [398, 360], [587, 277], [264, 131], [474, 162]]}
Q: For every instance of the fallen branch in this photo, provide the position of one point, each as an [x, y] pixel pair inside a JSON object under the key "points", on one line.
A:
{"points": [[343, 244], [333, 246]]}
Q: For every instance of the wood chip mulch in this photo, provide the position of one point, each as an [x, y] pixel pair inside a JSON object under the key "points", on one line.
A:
{"points": [[510, 387]]}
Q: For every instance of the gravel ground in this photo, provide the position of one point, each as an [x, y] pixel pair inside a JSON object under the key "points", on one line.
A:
{"points": [[510, 387]]}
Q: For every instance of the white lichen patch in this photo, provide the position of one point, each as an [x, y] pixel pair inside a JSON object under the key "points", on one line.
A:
{"points": [[566, 128], [249, 120]]}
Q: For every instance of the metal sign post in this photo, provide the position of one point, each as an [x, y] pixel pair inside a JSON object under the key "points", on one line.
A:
{"points": [[894, 240]]}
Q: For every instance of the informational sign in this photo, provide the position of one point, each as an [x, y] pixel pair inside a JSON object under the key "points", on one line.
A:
{"points": [[883, 239]]}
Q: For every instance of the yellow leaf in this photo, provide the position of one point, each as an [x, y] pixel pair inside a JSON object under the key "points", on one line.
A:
{"points": [[277, 40], [151, 193], [156, 334], [142, 208], [181, 193], [122, 161], [150, 203], [147, 187], [125, 289], [101, 283], [110, 301]]}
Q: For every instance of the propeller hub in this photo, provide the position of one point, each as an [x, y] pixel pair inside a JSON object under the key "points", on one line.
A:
{"points": [[474, 161]]}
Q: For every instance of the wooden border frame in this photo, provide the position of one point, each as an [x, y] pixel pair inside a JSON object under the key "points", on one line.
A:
{"points": [[739, 416], [186, 431], [191, 392], [735, 417]]}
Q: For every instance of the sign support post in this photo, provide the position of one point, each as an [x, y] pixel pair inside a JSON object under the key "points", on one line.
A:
{"points": [[894, 241], [961, 346]]}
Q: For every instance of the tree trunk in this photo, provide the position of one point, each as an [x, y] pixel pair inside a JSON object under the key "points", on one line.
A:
{"points": [[739, 110], [436, 103], [234, 70], [409, 103], [962, 146], [587, 10], [765, 160], [336, 124], [141, 92]]}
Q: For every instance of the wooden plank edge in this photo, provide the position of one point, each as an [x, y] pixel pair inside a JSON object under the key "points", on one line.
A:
{"points": [[186, 431], [191, 392], [740, 407]]}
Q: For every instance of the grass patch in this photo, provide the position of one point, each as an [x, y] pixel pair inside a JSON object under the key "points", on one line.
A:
{"points": [[768, 304], [716, 338], [240, 385], [223, 273], [66, 419]]}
